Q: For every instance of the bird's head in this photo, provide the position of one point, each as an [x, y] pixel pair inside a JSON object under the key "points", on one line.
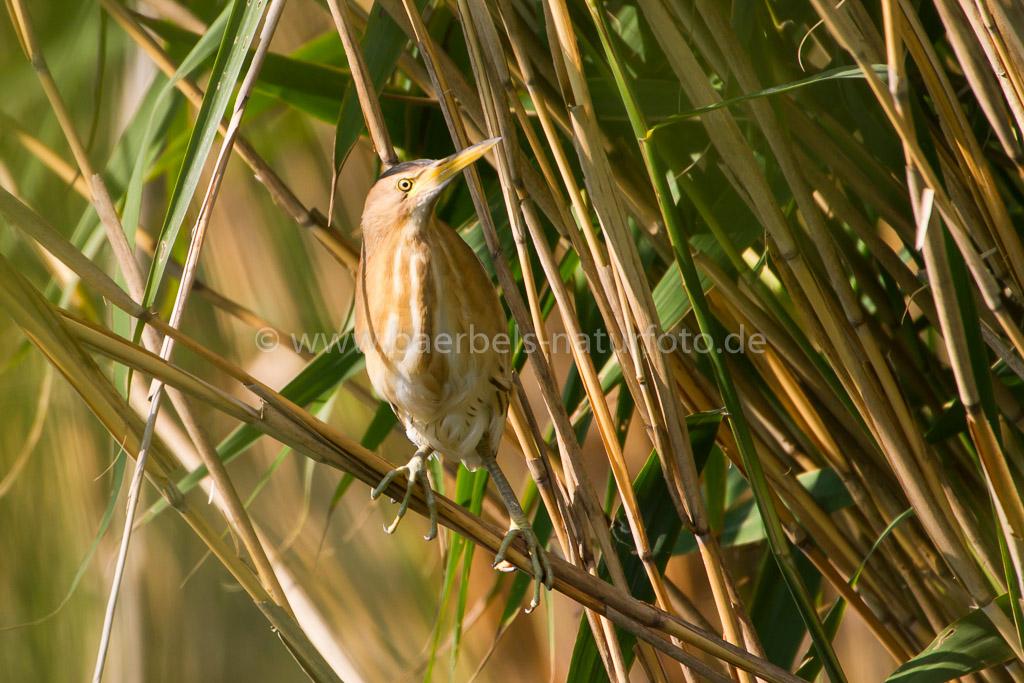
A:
{"points": [[409, 191]]}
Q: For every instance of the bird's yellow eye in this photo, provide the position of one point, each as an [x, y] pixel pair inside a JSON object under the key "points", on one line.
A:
{"points": [[404, 184]]}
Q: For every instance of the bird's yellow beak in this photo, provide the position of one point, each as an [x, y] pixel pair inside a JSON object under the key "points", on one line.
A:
{"points": [[442, 171]]}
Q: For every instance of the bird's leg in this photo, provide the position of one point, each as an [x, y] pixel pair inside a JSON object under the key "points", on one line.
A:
{"points": [[415, 470], [518, 525]]}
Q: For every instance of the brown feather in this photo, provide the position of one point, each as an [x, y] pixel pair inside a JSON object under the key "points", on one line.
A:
{"points": [[418, 281]]}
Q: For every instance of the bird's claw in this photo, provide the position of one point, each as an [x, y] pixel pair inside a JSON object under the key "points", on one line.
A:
{"points": [[542, 571], [414, 471]]}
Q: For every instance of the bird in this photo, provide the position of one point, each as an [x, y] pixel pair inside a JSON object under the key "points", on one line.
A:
{"points": [[435, 338]]}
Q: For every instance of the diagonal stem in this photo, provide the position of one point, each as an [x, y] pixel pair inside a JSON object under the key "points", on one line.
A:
{"points": [[364, 85]]}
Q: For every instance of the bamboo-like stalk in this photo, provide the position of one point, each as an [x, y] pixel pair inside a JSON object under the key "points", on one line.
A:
{"points": [[364, 87], [842, 553], [994, 463], [983, 83], [725, 40], [510, 171], [846, 36], [607, 292], [967, 150], [1013, 91], [983, 277], [522, 211]]}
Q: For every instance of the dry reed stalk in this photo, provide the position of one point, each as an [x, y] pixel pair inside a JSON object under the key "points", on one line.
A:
{"points": [[364, 87], [522, 211], [966, 570], [677, 461]]}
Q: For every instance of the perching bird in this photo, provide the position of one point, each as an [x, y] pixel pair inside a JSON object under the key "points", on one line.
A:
{"points": [[435, 338]]}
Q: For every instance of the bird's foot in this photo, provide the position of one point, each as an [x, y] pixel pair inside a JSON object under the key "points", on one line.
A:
{"points": [[414, 471], [542, 572]]}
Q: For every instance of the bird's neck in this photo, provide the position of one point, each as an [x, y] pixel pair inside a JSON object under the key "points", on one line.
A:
{"points": [[384, 236]]}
